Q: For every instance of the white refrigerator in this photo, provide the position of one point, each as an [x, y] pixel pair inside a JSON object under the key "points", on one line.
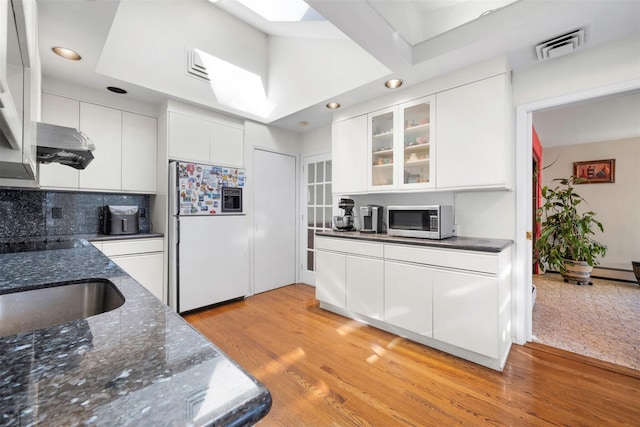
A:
{"points": [[208, 247]]}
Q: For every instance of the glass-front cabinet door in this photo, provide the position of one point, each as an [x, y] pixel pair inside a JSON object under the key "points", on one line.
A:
{"points": [[417, 152], [383, 133]]}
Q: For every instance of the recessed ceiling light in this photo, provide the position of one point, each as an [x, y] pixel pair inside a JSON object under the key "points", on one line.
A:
{"points": [[303, 123], [393, 83], [116, 90], [66, 53], [333, 105]]}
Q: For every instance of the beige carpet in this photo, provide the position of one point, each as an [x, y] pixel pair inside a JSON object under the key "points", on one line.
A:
{"points": [[600, 321]]}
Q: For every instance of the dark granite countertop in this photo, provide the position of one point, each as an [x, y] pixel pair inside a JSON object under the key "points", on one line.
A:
{"points": [[106, 237], [463, 243], [139, 364]]}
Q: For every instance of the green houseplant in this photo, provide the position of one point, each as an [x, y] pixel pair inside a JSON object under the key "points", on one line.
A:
{"points": [[566, 244]]}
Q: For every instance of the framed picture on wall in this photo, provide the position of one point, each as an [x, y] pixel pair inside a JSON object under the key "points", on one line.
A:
{"points": [[596, 171]]}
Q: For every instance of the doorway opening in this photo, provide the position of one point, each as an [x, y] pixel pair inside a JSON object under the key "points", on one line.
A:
{"points": [[598, 321]]}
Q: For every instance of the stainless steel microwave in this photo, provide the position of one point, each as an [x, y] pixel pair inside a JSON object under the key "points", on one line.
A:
{"points": [[428, 222]]}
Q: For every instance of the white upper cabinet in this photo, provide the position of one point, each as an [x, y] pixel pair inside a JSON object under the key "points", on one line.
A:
{"points": [[348, 152], [60, 111], [473, 134], [139, 146], [104, 126], [383, 137], [226, 145], [456, 139], [199, 140], [125, 154], [402, 146], [416, 149], [188, 138], [19, 92]]}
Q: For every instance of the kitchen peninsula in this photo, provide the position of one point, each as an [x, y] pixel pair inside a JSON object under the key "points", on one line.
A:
{"points": [[452, 294], [139, 364]]}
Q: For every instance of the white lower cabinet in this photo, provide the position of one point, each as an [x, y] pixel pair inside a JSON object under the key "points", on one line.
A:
{"points": [[465, 311], [331, 273], [365, 286], [408, 297], [350, 275], [455, 300], [141, 259]]}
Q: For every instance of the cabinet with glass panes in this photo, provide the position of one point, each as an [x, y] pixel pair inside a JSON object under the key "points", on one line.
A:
{"points": [[417, 151], [382, 148], [402, 146]]}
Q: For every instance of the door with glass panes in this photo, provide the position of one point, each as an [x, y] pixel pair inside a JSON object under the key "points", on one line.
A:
{"points": [[317, 209]]}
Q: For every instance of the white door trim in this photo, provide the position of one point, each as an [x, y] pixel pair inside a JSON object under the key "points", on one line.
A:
{"points": [[523, 322]]}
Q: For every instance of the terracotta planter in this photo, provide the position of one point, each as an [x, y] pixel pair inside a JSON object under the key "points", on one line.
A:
{"points": [[577, 271]]}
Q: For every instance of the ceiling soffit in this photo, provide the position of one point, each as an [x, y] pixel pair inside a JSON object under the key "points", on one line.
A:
{"points": [[294, 72]]}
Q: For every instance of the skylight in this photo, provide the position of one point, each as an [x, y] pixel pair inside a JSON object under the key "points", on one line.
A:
{"points": [[236, 87], [283, 10]]}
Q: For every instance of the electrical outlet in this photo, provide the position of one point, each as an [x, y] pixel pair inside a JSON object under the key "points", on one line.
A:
{"points": [[56, 213], [143, 213]]}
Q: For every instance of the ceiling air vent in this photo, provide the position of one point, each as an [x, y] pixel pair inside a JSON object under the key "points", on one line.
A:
{"points": [[195, 66], [560, 45]]}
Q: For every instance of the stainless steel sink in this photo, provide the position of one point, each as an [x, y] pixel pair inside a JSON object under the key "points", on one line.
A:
{"points": [[56, 303]]}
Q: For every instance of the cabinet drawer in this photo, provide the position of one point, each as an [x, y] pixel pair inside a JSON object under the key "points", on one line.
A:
{"points": [[349, 246], [133, 246], [463, 260]]}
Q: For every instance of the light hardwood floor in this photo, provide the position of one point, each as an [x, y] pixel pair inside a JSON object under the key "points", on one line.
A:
{"points": [[325, 370]]}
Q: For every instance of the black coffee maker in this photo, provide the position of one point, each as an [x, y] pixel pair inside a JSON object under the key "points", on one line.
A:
{"points": [[344, 222]]}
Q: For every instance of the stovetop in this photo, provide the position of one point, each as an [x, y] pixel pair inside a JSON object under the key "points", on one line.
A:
{"points": [[39, 244]]}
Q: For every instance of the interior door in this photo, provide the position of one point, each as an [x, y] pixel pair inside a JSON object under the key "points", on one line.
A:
{"points": [[316, 209], [274, 216]]}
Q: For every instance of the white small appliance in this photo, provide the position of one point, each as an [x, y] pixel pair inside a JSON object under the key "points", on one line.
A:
{"points": [[428, 222]]}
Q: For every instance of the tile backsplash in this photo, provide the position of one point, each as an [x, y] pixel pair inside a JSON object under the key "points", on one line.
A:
{"points": [[25, 213]]}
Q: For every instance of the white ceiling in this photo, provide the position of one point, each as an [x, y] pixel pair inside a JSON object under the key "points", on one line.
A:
{"points": [[392, 37]]}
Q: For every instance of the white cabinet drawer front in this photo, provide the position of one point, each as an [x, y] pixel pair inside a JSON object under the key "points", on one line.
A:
{"points": [[408, 299], [464, 260], [465, 311], [137, 246], [145, 269], [331, 278], [365, 286], [350, 246]]}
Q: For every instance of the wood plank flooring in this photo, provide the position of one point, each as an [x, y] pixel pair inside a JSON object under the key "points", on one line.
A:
{"points": [[325, 370]]}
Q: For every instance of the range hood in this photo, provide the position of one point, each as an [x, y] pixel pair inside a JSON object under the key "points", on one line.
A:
{"points": [[67, 146]]}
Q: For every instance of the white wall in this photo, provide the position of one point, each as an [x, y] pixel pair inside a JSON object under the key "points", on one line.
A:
{"points": [[616, 204], [612, 63], [305, 71], [486, 214], [317, 141], [156, 58]]}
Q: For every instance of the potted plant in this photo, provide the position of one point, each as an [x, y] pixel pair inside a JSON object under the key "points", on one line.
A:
{"points": [[566, 244]]}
